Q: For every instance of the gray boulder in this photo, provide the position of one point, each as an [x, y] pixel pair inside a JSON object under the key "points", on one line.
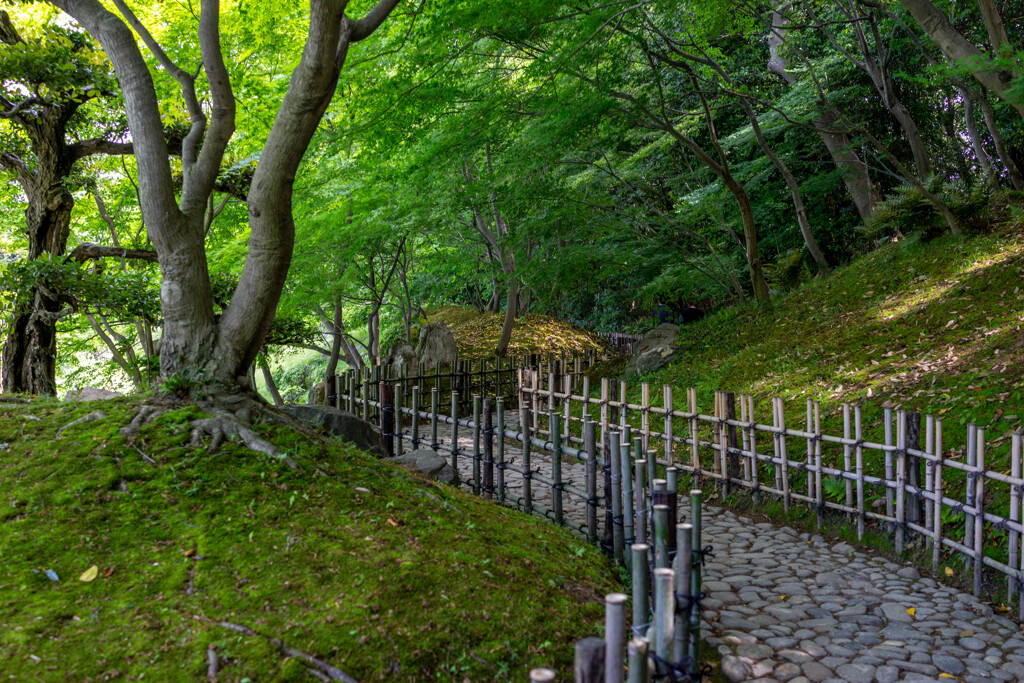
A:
{"points": [[355, 430], [90, 394], [317, 395], [429, 464], [655, 351], [401, 354], [437, 345]]}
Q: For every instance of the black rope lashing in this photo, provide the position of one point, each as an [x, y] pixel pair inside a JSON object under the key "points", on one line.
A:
{"points": [[673, 671], [702, 555], [684, 602]]}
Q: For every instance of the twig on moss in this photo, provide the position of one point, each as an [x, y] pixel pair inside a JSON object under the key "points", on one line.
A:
{"points": [[333, 673], [212, 663]]}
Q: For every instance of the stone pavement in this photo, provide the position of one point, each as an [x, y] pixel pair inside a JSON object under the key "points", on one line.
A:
{"points": [[788, 606]]}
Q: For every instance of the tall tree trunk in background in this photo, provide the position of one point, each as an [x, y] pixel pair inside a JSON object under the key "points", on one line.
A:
{"points": [[794, 190], [997, 139], [30, 348], [268, 377], [852, 169], [511, 308], [972, 133], [961, 51]]}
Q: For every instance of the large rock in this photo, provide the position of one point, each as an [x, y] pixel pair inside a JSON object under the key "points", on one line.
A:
{"points": [[355, 430], [317, 394], [437, 345], [401, 354], [428, 463], [90, 394], [655, 350]]}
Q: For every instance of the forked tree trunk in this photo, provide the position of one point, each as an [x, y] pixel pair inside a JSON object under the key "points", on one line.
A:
{"points": [[511, 308]]}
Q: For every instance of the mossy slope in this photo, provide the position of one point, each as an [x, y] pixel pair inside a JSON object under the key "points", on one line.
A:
{"points": [[379, 573], [477, 334]]}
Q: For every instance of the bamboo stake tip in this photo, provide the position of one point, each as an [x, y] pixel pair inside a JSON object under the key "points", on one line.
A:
{"points": [[696, 492], [664, 572], [684, 526], [616, 599], [640, 547], [541, 675]]}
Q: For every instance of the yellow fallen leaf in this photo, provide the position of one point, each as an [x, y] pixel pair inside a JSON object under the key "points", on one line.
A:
{"points": [[911, 611], [89, 574], [946, 675], [782, 597], [949, 571]]}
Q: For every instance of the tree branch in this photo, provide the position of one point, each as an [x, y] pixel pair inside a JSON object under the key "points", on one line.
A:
{"points": [[86, 251]]}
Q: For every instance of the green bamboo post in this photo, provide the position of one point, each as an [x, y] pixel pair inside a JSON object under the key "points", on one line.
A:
{"points": [[661, 532], [640, 503], [488, 433], [500, 443], [695, 578], [652, 461], [616, 477], [588, 666], [590, 446], [684, 568], [415, 417], [363, 393], [434, 407], [639, 671], [556, 466], [664, 617], [399, 410], [477, 401], [524, 426], [455, 433], [614, 636], [626, 468], [641, 586], [350, 399]]}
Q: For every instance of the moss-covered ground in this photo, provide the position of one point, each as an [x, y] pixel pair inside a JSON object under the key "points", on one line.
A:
{"points": [[476, 334], [370, 569]]}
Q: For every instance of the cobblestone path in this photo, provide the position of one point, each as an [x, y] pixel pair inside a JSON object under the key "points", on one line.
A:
{"points": [[788, 606]]}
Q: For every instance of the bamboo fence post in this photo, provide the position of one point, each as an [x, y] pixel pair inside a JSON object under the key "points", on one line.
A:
{"points": [[541, 675], [664, 618], [718, 454], [901, 477], [434, 408], [590, 446], [972, 458], [847, 453], [937, 502], [556, 467], [667, 402], [585, 392], [501, 450], [780, 448], [488, 433], [349, 394], [641, 501], [639, 671], [399, 418], [809, 465], [535, 383], [755, 477], [695, 578], [455, 436], [551, 393], [691, 405], [477, 407], [859, 455], [1013, 582], [889, 512], [819, 492], [616, 477], [364, 391], [661, 531], [745, 438], [979, 518], [614, 636], [731, 438], [652, 471], [415, 428], [912, 442], [623, 421], [641, 586], [929, 472], [524, 426], [626, 468], [589, 660], [645, 413], [683, 567], [387, 417]]}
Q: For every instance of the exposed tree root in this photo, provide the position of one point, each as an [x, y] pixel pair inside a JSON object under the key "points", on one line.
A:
{"points": [[146, 414], [320, 668], [89, 417], [212, 663]]}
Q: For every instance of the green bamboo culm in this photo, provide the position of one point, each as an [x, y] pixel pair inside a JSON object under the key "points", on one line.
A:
{"points": [[556, 466], [641, 588], [695, 579]]}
